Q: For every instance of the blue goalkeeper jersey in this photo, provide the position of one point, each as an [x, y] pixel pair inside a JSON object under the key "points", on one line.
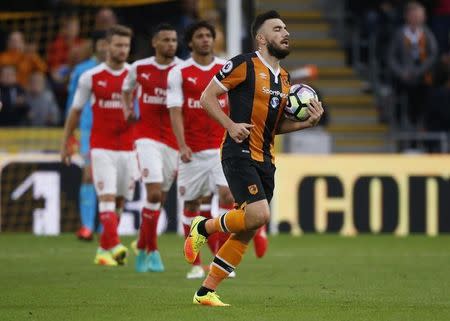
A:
{"points": [[86, 114]]}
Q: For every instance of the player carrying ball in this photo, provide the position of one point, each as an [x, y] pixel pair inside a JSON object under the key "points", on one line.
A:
{"points": [[257, 89]]}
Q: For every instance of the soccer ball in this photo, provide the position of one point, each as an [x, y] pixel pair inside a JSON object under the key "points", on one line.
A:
{"points": [[296, 107]]}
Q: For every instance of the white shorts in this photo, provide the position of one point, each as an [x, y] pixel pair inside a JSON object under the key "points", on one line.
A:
{"points": [[114, 172], [157, 162], [201, 176]]}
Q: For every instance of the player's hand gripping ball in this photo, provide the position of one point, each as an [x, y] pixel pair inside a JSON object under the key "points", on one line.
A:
{"points": [[299, 96]]}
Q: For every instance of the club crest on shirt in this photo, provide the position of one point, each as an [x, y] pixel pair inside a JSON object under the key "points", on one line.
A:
{"points": [[253, 189], [227, 67], [274, 102], [145, 172], [182, 190], [100, 185]]}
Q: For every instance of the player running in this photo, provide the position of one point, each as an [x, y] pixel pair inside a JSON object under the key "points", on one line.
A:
{"points": [[155, 143], [198, 137], [257, 89], [114, 165], [87, 197]]}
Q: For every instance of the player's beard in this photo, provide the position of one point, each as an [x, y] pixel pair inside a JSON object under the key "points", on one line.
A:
{"points": [[203, 51], [169, 55], [276, 51], [117, 60]]}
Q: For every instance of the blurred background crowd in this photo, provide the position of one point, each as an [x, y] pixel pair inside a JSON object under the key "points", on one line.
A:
{"points": [[405, 47], [399, 50]]}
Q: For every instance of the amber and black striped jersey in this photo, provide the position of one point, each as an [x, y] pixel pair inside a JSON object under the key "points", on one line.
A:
{"points": [[257, 95]]}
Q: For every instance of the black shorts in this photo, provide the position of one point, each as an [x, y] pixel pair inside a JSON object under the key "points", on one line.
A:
{"points": [[249, 180]]}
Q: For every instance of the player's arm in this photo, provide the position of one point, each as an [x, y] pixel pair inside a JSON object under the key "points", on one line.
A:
{"points": [[71, 124], [174, 103], [233, 73], [176, 119], [128, 86], [210, 102], [81, 97], [315, 111]]}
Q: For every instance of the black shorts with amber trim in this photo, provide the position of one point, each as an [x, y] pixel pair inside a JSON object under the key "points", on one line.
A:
{"points": [[249, 180]]}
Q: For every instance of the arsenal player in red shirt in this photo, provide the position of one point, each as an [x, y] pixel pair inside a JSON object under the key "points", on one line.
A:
{"points": [[114, 163], [155, 143]]}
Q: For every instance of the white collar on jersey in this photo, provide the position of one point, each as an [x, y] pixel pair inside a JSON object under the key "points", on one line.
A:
{"points": [[275, 73], [175, 61], [203, 67], [115, 72]]}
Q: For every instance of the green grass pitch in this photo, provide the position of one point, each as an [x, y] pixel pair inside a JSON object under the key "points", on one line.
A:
{"points": [[314, 277]]}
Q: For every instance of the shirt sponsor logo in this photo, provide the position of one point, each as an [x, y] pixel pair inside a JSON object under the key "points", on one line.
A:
{"points": [[159, 97], [153, 100], [274, 92], [195, 104], [160, 91], [114, 103]]}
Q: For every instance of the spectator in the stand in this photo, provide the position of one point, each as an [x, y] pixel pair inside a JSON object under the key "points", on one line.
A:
{"points": [[438, 115], [375, 15], [411, 56], [213, 17], [189, 14], [43, 108], [59, 50], [63, 53], [440, 24], [14, 108], [25, 61], [105, 19]]}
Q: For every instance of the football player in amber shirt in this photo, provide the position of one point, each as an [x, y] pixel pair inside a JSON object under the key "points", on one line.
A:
{"points": [[257, 88]]}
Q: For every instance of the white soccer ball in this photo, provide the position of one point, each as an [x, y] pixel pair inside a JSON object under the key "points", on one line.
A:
{"points": [[296, 107]]}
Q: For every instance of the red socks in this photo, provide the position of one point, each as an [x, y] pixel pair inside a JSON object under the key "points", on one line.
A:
{"points": [[109, 237], [148, 235], [260, 241]]}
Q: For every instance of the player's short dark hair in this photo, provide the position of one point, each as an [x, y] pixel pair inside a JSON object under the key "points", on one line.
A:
{"points": [[261, 18], [163, 26], [194, 27], [119, 30]]}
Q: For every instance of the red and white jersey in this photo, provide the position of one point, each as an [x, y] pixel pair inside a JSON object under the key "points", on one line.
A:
{"points": [[186, 82], [103, 86], [151, 79]]}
